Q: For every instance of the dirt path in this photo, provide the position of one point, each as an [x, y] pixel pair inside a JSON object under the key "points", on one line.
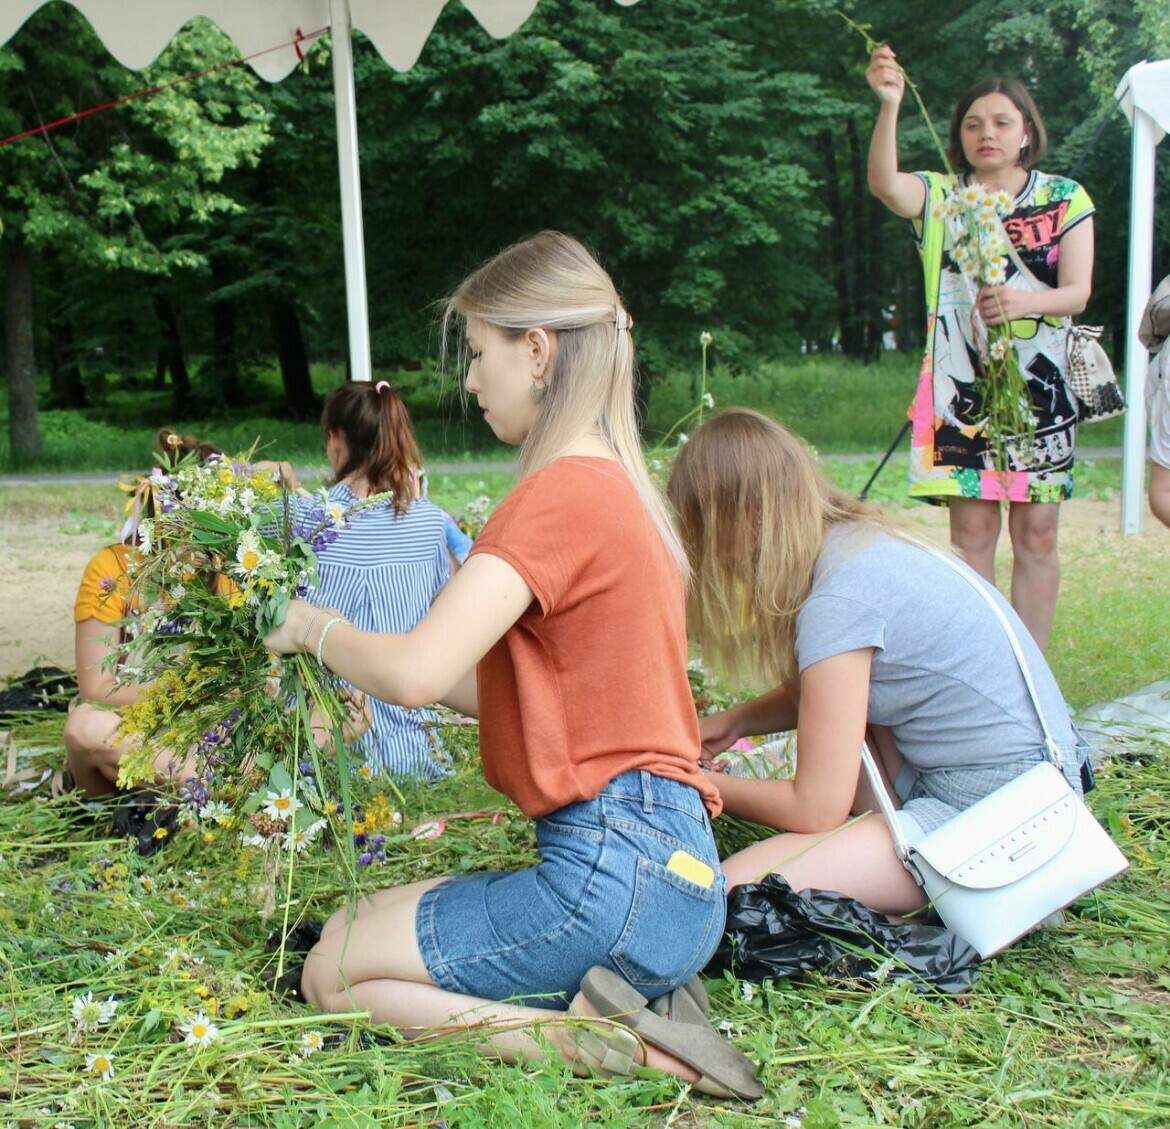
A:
{"points": [[41, 563]]}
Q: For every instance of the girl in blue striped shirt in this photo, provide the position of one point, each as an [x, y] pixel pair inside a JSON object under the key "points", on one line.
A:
{"points": [[387, 564]]}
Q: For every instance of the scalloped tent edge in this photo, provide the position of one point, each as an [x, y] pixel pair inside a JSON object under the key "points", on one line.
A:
{"points": [[135, 32], [1144, 97]]}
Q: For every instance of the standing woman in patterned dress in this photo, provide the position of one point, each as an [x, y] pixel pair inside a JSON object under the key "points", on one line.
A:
{"points": [[996, 136]]}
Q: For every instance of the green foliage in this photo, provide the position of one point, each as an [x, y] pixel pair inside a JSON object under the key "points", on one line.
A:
{"points": [[118, 198]]}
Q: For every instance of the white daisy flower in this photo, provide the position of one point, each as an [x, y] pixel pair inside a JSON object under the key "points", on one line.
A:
{"points": [[708, 400], [199, 1030], [90, 1014], [994, 274], [101, 1064], [999, 349], [299, 840], [311, 1043], [215, 810], [248, 552], [705, 338], [281, 805]]}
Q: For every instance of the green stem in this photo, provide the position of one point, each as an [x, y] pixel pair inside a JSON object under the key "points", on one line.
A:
{"points": [[872, 45]]}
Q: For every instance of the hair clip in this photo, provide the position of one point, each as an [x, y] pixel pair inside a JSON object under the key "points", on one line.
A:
{"points": [[623, 319]]}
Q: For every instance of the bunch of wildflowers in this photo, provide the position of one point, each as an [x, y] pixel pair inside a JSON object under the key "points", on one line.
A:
{"points": [[979, 248], [223, 553]]}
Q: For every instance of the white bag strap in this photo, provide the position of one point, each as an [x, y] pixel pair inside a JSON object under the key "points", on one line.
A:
{"points": [[901, 843], [970, 577]]}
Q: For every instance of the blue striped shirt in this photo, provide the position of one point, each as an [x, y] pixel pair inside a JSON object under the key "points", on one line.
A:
{"points": [[382, 573]]}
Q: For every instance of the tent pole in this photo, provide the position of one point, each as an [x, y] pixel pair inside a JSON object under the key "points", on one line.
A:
{"points": [[351, 190], [1141, 267]]}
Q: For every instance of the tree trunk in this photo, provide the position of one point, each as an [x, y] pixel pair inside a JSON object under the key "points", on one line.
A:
{"points": [[867, 294], [68, 388], [24, 433], [294, 361], [172, 349], [225, 368], [840, 252]]}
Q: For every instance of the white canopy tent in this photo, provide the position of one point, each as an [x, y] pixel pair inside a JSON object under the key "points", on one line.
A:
{"points": [[1144, 95], [136, 31]]}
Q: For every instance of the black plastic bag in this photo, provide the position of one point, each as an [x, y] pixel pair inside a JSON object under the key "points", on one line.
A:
{"points": [[773, 932], [41, 688], [147, 818]]}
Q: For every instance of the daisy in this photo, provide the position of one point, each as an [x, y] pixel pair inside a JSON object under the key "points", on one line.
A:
{"points": [[215, 810], [994, 274], [999, 349], [90, 1014], [299, 840], [101, 1064], [311, 1043], [972, 194], [200, 1031], [282, 804], [248, 553], [705, 338]]}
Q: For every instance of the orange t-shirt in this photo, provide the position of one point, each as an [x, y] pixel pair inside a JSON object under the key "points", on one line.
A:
{"points": [[591, 681], [104, 591]]}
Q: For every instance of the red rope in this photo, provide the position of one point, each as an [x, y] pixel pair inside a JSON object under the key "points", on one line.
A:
{"points": [[295, 43]]}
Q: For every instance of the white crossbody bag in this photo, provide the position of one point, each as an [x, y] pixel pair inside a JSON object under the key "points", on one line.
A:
{"points": [[1002, 866]]}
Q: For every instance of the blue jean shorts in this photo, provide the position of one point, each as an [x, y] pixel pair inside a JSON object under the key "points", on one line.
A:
{"points": [[602, 893]]}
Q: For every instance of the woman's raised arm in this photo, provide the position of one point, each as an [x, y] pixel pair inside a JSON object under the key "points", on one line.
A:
{"points": [[902, 192]]}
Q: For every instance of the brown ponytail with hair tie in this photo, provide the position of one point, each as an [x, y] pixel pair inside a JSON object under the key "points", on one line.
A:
{"points": [[379, 438]]}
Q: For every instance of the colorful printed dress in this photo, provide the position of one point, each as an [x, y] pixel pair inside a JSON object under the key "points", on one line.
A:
{"points": [[950, 457]]}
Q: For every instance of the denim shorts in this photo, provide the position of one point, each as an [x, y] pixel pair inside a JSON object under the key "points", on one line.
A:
{"points": [[602, 893]]}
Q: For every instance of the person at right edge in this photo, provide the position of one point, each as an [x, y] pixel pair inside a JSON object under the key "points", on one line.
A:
{"points": [[996, 137]]}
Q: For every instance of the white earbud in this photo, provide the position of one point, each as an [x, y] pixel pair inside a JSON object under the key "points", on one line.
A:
{"points": [[1024, 143]]}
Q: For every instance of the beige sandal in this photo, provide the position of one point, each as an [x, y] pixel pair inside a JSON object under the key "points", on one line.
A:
{"points": [[605, 1048]]}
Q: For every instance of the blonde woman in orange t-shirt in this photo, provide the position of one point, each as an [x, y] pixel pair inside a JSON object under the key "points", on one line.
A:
{"points": [[565, 634]]}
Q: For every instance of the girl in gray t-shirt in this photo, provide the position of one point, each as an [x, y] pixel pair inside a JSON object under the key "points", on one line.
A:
{"points": [[867, 635]]}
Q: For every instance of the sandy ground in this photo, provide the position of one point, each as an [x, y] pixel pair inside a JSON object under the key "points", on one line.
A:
{"points": [[40, 565]]}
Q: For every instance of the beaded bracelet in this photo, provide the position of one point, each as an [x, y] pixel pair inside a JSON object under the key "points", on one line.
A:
{"points": [[309, 630], [329, 625]]}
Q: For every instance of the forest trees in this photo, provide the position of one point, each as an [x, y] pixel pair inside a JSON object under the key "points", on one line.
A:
{"points": [[120, 195], [713, 154]]}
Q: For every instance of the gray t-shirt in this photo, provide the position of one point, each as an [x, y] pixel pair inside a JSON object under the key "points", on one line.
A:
{"points": [[944, 676]]}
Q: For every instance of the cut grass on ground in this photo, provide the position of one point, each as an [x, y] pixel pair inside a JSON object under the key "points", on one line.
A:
{"points": [[1066, 1029]]}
